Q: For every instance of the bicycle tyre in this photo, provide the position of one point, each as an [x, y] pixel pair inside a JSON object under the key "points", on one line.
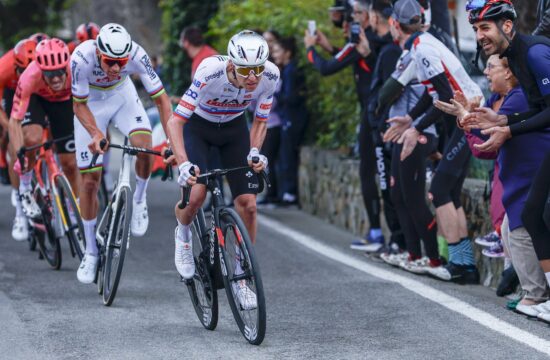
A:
{"points": [[251, 323], [203, 294], [75, 231], [46, 239], [116, 246]]}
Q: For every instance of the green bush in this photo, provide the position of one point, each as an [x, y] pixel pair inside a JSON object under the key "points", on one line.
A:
{"points": [[331, 101]]}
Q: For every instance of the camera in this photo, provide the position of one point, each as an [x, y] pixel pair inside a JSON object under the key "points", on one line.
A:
{"points": [[355, 30]]}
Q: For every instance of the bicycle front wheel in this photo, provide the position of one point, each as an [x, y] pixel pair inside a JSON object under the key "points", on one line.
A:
{"points": [[70, 216], [201, 290], [241, 277], [48, 242], [116, 245]]}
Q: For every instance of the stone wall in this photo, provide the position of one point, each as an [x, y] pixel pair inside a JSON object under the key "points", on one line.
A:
{"points": [[330, 189]]}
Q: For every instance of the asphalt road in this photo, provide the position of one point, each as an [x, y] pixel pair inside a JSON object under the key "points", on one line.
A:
{"points": [[317, 306]]}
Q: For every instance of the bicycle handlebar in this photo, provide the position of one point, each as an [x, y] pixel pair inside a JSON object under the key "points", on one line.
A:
{"points": [[46, 145], [133, 150], [215, 173]]}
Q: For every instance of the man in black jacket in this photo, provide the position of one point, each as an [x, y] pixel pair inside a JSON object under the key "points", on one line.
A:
{"points": [[543, 18]]}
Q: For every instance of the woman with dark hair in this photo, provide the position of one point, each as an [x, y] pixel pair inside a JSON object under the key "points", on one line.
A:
{"points": [[291, 108]]}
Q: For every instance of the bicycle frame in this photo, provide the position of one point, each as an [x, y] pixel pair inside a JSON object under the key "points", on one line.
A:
{"points": [[46, 158]]}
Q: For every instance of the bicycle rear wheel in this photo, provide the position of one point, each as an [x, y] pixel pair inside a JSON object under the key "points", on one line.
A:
{"points": [[201, 290], [71, 216], [46, 239], [116, 245], [241, 273]]}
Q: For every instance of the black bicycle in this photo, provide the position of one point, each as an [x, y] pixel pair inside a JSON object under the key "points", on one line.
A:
{"points": [[224, 258], [113, 231]]}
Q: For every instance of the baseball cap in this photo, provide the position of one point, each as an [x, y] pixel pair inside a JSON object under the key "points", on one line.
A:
{"points": [[405, 11]]}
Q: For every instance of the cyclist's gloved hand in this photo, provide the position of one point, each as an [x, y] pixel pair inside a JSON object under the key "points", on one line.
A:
{"points": [[260, 165], [186, 178]]}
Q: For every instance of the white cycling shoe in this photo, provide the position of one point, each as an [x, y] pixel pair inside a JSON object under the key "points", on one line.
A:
{"points": [[20, 229], [247, 297], [87, 269], [140, 219], [30, 207], [183, 255]]}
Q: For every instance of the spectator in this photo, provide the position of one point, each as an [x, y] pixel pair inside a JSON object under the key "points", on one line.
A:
{"points": [[293, 112], [543, 19], [272, 37], [519, 159], [192, 42]]}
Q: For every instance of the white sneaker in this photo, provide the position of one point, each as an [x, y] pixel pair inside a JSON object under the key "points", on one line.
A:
{"points": [[418, 266], [183, 255], [140, 219], [87, 269], [246, 297], [30, 207], [394, 259], [20, 229], [543, 307]]}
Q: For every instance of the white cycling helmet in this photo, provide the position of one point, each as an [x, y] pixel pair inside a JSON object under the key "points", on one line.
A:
{"points": [[114, 41], [247, 48]]}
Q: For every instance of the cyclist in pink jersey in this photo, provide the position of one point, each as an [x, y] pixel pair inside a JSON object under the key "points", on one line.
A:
{"points": [[44, 90]]}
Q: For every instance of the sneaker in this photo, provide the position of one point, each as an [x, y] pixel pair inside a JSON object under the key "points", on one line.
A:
{"points": [[488, 240], [529, 310], [457, 273], [508, 282], [495, 251], [30, 207], [394, 259], [543, 308], [183, 255], [246, 297], [418, 266], [544, 317], [87, 269], [20, 229], [369, 244], [140, 219]]}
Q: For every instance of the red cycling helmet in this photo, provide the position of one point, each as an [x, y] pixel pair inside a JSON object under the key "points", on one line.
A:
{"points": [[490, 10], [52, 54], [87, 31], [24, 53], [38, 37]]}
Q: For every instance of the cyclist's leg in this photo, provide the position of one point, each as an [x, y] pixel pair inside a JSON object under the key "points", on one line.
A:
{"points": [[244, 184], [32, 124], [61, 124], [131, 119]]}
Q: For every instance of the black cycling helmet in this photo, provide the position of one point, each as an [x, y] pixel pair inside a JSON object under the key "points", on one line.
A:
{"points": [[490, 10]]}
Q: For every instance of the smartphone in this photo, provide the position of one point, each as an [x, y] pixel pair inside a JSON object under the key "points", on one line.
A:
{"points": [[312, 27], [355, 30]]}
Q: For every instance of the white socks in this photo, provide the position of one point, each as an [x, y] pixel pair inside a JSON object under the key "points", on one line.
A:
{"points": [[141, 188], [89, 233], [18, 207], [184, 231], [25, 181]]}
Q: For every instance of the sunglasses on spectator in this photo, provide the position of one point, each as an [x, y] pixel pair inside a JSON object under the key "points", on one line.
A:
{"points": [[244, 71], [54, 73], [110, 62]]}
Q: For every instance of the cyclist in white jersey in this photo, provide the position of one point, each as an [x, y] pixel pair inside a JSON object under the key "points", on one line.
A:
{"points": [[211, 113], [102, 93], [442, 73]]}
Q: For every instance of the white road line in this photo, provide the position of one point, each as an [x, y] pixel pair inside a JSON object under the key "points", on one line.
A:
{"points": [[428, 292]]}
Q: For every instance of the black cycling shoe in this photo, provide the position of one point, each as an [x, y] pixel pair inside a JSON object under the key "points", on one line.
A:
{"points": [[461, 274], [508, 282]]}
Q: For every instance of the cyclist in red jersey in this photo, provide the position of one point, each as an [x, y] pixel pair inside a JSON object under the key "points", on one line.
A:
{"points": [[12, 64], [44, 89]]}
